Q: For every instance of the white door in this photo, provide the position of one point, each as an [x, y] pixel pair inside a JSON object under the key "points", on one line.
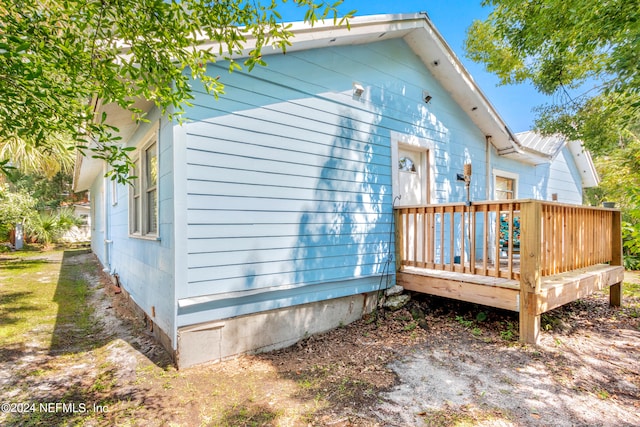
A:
{"points": [[412, 183]]}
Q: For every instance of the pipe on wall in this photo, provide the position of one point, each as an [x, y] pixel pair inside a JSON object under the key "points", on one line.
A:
{"points": [[487, 140]]}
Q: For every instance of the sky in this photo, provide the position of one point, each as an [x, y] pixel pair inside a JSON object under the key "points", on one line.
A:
{"points": [[514, 103]]}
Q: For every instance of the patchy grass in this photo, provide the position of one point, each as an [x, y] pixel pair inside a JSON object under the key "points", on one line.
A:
{"points": [[42, 304], [631, 299], [26, 297], [45, 313], [464, 416], [631, 290]]}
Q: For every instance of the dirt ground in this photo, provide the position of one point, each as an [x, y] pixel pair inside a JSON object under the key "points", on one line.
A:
{"points": [[435, 362]]}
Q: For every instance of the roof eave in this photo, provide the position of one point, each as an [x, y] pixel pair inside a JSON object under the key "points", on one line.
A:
{"points": [[585, 165], [420, 34], [87, 167]]}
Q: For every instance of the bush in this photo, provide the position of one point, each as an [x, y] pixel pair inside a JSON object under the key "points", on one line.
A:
{"points": [[48, 227], [15, 208], [631, 234], [631, 245]]}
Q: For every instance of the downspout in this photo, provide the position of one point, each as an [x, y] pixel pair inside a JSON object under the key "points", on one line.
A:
{"points": [[487, 154], [488, 189], [107, 224]]}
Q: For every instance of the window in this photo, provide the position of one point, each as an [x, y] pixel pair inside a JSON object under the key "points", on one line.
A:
{"points": [[505, 188], [406, 164], [505, 185], [151, 187], [143, 192], [135, 207]]}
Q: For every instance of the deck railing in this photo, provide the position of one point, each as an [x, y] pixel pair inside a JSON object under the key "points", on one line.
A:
{"points": [[488, 238]]}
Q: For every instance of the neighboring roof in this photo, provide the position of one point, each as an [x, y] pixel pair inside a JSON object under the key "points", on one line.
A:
{"points": [[420, 34], [552, 145], [548, 145]]}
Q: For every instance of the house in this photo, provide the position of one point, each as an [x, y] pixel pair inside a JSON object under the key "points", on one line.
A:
{"points": [[269, 214], [82, 231]]}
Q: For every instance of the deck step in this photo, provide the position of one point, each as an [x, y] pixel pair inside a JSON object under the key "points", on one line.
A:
{"points": [[500, 293], [504, 293]]}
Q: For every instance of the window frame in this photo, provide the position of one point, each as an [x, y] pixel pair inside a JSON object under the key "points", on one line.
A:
{"points": [[505, 175], [139, 206]]}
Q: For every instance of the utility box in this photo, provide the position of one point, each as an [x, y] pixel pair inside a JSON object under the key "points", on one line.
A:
{"points": [[19, 236]]}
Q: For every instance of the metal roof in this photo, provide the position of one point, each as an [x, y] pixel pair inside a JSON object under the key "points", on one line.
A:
{"points": [[547, 145], [552, 145]]}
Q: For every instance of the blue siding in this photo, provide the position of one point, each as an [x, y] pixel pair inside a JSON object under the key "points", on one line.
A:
{"points": [[98, 224], [145, 267], [540, 182], [289, 176], [564, 179]]}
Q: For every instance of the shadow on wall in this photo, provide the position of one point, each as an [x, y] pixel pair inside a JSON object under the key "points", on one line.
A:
{"points": [[348, 232]]}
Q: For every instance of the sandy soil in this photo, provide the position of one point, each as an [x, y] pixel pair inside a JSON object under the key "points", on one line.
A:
{"points": [[435, 363]]}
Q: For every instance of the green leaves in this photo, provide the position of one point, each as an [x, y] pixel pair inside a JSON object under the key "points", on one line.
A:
{"points": [[58, 55], [559, 45]]}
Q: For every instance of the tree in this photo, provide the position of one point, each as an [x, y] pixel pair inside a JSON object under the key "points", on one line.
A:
{"points": [[57, 57], [15, 208], [56, 157], [50, 193], [564, 46]]}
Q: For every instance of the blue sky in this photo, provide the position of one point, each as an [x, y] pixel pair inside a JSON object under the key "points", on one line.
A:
{"points": [[452, 18]]}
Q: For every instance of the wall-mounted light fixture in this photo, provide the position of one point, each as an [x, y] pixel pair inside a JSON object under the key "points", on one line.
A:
{"points": [[426, 96], [358, 89]]}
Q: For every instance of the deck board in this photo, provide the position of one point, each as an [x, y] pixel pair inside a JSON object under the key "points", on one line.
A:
{"points": [[504, 293], [463, 277], [563, 288], [489, 291]]}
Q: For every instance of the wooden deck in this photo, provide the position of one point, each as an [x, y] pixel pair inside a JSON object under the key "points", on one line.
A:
{"points": [[486, 290], [503, 293], [566, 253]]}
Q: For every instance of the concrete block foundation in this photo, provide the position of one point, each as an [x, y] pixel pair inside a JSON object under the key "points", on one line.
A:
{"points": [[266, 331]]}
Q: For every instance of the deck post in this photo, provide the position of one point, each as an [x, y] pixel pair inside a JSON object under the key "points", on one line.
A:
{"points": [[615, 290], [530, 270], [399, 238]]}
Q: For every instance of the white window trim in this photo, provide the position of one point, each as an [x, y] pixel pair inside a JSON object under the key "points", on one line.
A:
{"points": [[509, 175], [412, 142], [149, 139]]}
